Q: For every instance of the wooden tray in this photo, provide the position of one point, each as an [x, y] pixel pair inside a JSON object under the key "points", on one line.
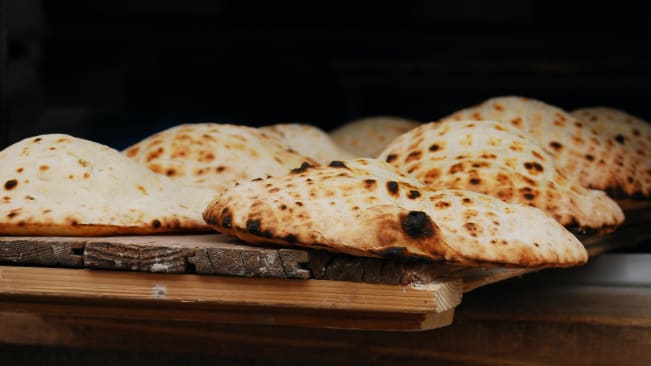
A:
{"points": [[256, 285]]}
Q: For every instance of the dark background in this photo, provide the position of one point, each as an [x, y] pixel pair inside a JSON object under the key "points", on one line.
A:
{"points": [[116, 71]]}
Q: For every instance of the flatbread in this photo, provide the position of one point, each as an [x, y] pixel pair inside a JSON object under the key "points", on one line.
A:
{"points": [[309, 141], [57, 184], [633, 135], [366, 207], [586, 155], [367, 137], [212, 155], [494, 158]]}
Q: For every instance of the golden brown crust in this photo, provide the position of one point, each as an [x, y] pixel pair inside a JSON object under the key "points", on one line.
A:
{"points": [[61, 185], [593, 158], [496, 159], [212, 155], [366, 207]]}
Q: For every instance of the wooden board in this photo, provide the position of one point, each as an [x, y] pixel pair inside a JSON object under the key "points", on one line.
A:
{"points": [[510, 323], [238, 300]]}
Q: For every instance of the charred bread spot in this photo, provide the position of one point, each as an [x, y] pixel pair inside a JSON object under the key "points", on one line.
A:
{"points": [[291, 238], [13, 214], [527, 193], [391, 157], [257, 180], [517, 121], [620, 139], [11, 184], [466, 201], [253, 227], [299, 203], [555, 145], [475, 181], [43, 168], [155, 223], [283, 206], [414, 155], [370, 183], [227, 221], [392, 187], [170, 172], [337, 164], [304, 166], [37, 139], [19, 170], [393, 253], [28, 197], [413, 194], [533, 167], [636, 132], [220, 169], [489, 156], [434, 147], [417, 225]]}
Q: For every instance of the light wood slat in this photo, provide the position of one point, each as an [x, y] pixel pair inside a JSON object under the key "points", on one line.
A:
{"points": [[431, 305]]}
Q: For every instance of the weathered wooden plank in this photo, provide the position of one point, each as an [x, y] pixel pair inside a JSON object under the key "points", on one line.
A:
{"points": [[44, 251]]}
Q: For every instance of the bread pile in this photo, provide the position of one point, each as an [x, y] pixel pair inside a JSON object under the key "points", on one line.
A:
{"points": [[506, 183]]}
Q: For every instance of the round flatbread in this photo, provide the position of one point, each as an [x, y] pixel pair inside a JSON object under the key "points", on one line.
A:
{"points": [[309, 141], [366, 207], [61, 185], [367, 137], [586, 155], [494, 158], [633, 136], [212, 155]]}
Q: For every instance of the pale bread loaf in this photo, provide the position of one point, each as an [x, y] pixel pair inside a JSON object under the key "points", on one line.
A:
{"points": [[585, 154], [61, 185], [366, 207], [212, 155], [632, 134], [367, 137], [494, 158], [309, 141]]}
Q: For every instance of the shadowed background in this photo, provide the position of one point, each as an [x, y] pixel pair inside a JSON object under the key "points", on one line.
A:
{"points": [[116, 71]]}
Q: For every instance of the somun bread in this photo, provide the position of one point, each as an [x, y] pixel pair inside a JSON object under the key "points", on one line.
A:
{"points": [[586, 154], [309, 141], [366, 207], [497, 159], [367, 137], [57, 184], [213, 155]]}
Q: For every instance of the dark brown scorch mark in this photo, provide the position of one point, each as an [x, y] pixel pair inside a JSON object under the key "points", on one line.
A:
{"points": [[392, 187], [11, 184], [417, 224]]}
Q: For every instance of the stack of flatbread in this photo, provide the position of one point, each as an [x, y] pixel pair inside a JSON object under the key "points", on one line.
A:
{"points": [[502, 184]]}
